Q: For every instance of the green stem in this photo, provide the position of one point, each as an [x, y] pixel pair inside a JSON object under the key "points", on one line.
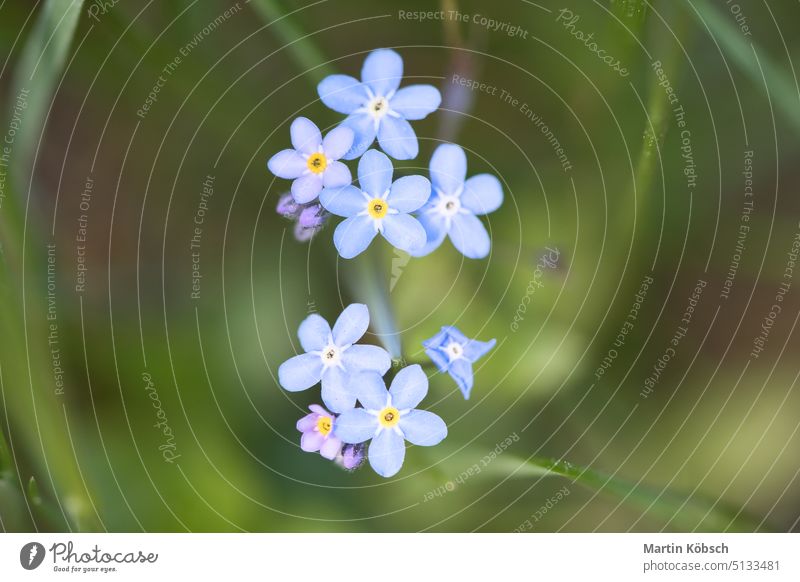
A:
{"points": [[367, 276], [305, 53]]}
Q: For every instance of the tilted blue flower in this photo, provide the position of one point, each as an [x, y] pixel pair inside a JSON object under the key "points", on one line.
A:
{"points": [[375, 106], [454, 353], [456, 203], [332, 357], [377, 206], [312, 164], [390, 418]]}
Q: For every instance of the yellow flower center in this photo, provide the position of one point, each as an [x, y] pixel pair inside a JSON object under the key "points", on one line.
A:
{"points": [[317, 163], [377, 208], [324, 425], [389, 417]]}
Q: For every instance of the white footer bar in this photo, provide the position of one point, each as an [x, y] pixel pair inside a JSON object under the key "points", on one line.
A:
{"points": [[406, 557]]}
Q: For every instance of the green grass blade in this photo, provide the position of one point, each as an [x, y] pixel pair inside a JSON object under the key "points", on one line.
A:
{"points": [[302, 49], [783, 89], [36, 75], [685, 513]]}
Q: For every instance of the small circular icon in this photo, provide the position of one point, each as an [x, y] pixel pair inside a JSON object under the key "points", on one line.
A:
{"points": [[31, 555]]}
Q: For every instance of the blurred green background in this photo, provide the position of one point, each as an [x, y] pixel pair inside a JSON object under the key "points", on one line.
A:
{"points": [[714, 445]]}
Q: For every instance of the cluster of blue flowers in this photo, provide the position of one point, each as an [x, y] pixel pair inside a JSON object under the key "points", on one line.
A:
{"points": [[414, 214]]}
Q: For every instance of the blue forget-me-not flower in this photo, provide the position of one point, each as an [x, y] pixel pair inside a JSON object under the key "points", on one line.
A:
{"points": [[390, 418], [456, 203], [313, 163], [454, 353], [377, 206], [332, 357], [375, 106]]}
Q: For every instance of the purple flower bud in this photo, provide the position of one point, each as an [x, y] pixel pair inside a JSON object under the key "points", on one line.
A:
{"points": [[303, 234], [352, 456], [313, 216], [287, 207]]}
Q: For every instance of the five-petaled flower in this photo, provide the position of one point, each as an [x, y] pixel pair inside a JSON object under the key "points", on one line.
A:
{"points": [[377, 206], [376, 107], [312, 164], [317, 431], [456, 203], [454, 353], [332, 358], [389, 418]]}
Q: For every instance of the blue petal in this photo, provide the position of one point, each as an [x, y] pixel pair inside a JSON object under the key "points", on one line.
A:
{"points": [[375, 173], [362, 358], [423, 428], [409, 193], [351, 325], [448, 168], [397, 138], [475, 349], [342, 93], [337, 142], [355, 426], [453, 333], [461, 371], [336, 175], [409, 387], [416, 101], [305, 134], [386, 453], [344, 201], [363, 127], [370, 390], [353, 236], [314, 333], [300, 372], [438, 357], [435, 232], [404, 232], [336, 391], [469, 236], [382, 71], [482, 194], [306, 188], [287, 164]]}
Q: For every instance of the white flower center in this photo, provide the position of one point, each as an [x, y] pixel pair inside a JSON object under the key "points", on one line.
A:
{"points": [[377, 107], [454, 350], [331, 356], [448, 206]]}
